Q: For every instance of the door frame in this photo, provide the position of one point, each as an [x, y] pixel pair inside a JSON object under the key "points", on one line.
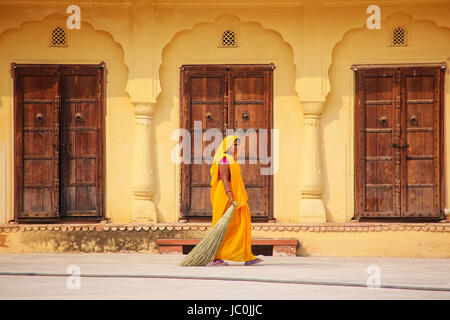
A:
{"points": [[18, 150], [184, 119], [356, 139]]}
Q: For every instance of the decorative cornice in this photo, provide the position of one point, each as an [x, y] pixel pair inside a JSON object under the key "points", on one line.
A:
{"points": [[265, 227]]}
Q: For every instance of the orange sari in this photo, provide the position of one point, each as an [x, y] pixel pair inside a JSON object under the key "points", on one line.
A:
{"points": [[236, 245]]}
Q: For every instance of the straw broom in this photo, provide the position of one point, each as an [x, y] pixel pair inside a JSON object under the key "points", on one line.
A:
{"points": [[205, 251]]}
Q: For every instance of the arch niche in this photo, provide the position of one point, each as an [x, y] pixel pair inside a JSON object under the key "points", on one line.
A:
{"points": [[427, 43], [200, 45], [29, 44]]}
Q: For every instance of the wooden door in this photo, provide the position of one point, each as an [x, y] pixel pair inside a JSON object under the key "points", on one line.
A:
{"points": [[398, 142], [203, 99], [225, 97], [422, 120], [250, 108], [81, 141], [36, 131], [58, 141]]}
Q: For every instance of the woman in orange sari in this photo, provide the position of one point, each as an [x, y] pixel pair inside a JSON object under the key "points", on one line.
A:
{"points": [[227, 188]]}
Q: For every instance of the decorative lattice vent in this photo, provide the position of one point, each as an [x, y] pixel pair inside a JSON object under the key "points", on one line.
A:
{"points": [[229, 39], [58, 37], [399, 37]]}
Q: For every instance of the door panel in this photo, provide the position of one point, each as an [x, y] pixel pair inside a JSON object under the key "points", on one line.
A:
{"points": [[221, 97], [379, 171], [398, 128], [250, 108], [81, 164], [422, 158], [203, 91]]}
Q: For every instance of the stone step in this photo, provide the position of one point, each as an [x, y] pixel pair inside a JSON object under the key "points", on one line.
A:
{"points": [[280, 247]]}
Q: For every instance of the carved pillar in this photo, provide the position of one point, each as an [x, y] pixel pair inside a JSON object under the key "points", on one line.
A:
{"points": [[312, 208], [143, 184]]}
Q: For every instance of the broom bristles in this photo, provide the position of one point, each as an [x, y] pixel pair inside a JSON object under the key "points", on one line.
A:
{"points": [[206, 249]]}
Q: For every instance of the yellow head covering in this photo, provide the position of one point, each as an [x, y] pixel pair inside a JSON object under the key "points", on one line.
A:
{"points": [[220, 153]]}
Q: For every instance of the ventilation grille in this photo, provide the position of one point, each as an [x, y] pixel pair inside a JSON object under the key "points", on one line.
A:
{"points": [[399, 37], [229, 39], [58, 37]]}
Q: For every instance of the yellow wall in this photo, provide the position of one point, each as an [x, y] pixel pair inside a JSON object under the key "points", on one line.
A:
{"points": [[29, 44], [312, 44], [199, 45], [428, 43]]}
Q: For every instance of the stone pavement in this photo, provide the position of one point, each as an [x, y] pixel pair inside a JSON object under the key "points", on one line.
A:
{"points": [[152, 276]]}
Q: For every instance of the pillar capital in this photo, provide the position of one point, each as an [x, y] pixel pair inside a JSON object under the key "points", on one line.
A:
{"points": [[144, 108], [312, 108]]}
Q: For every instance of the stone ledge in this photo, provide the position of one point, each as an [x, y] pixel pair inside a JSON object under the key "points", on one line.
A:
{"points": [[261, 242], [292, 227], [280, 247]]}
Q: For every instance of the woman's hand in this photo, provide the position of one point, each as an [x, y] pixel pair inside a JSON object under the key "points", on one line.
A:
{"points": [[230, 196], [234, 203]]}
